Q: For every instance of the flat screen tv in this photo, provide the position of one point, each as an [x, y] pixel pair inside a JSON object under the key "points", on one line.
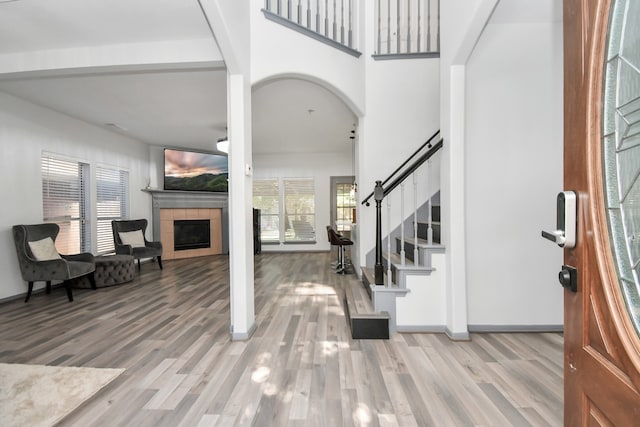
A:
{"points": [[195, 171]]}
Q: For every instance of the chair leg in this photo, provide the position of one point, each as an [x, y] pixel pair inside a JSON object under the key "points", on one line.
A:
{"points": [[92, 280], [29, 291], [138, 264], [340, 269], [48, 287], [67, 284], [160, 261]]}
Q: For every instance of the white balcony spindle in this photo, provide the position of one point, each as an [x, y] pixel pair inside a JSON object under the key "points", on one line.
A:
{"points": [[419, 27], [388, 26], [326, 18], [398, 27], [335, 25], [408, 26], [428, 25], [438, 40], [342, 21], [350, 24], [402, 251]]}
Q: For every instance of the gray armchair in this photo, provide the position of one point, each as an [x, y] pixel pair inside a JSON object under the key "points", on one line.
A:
{"points": [[66, 268], [149, 250]]}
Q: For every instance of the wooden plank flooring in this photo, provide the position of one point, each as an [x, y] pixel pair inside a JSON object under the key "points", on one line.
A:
{"points": [[170, 330]]}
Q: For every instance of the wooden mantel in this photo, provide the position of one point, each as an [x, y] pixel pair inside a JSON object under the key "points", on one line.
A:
{"points": [[174, 199]]}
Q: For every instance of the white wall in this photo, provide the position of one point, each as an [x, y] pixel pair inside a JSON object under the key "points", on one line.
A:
{"points": [[280, 51], [321, 167], [27, 130], [513, 167], [402, 110]]}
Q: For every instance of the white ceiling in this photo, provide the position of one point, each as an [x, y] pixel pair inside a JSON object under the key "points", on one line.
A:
{"points": [[174, 105]]}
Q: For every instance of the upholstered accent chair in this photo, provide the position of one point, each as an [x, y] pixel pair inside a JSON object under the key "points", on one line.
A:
{"points": [[129, 239], [40, 262]]}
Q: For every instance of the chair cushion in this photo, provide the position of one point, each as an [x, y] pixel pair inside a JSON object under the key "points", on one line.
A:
{"points": [[133, 238], [44, 250]]}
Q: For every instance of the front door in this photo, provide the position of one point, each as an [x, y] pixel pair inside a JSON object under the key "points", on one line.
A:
{"points": [[602, 165]]}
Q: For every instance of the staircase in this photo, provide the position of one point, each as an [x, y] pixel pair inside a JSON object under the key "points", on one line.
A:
{"points": [[405, 280]]}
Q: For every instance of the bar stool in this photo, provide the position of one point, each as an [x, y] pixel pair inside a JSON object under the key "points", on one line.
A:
{"points": [[340, 241]]}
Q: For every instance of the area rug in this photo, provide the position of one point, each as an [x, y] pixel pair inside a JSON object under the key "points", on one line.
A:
{"points": [[37, 395]]}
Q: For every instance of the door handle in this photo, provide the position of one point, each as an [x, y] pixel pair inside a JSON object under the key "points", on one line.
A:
{"points": [[565, 233]]}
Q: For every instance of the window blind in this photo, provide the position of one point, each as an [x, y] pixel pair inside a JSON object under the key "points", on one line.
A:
{"points": [[266, 197], [112, 203], [65, 202], [299, 206]]}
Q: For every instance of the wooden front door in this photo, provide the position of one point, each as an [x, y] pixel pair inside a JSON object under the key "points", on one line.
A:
{"points": [[602, 165]]}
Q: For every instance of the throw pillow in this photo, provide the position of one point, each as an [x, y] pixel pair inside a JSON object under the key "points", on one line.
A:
{"points": [[133, 238], [44, 250]]}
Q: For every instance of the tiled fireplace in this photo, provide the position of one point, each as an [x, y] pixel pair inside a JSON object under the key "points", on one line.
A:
{"points": [[191, 214]]}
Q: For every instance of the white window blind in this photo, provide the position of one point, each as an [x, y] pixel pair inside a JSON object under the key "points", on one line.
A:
{"points": [[266, 197], [65, 200], [299, 210], [112, 194]]}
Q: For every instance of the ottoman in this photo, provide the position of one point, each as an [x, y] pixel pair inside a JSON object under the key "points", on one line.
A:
{"points": [[110, 270]]}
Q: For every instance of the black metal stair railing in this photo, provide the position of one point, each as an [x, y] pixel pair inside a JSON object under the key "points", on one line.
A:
{"points": [[397, 177]]}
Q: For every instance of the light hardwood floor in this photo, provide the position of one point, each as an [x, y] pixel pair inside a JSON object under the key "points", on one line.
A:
{"points": [[170, 330]]}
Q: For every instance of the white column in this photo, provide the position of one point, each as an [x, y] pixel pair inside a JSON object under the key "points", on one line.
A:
{"points": [[453, 201], [240, 203]]}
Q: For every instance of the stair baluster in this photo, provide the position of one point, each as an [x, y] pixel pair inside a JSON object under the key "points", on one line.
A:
{"points": [[388, 241], [429, 214], [415, 220], [378, 194], [408, 26], [350, 25], [402, 251]]}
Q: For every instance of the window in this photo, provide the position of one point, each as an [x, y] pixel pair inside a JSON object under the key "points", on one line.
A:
{"points": [[266, 197], [345, 205], [299, 210], [65, 200], [112, 194]]}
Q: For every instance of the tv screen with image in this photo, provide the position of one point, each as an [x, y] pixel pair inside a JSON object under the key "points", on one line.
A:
{"points": [[195, 171]]}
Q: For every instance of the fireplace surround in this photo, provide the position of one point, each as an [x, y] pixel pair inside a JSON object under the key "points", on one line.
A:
{"points": [[169, 206]]}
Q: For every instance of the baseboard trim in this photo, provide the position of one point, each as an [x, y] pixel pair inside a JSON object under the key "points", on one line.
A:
{"points": [[457, 336], [515, 328], [421, 329], [243, 336]]}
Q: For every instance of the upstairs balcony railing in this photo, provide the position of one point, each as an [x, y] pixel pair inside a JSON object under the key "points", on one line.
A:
{"points": [[329, 21], [407, 28], [403, 28]]}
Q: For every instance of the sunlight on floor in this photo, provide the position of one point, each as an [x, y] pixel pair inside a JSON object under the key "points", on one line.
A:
{"points": [[362, 415], [309, 288]]}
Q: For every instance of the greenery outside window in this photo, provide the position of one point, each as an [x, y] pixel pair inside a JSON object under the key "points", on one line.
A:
{"points": [[266, 197]]}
